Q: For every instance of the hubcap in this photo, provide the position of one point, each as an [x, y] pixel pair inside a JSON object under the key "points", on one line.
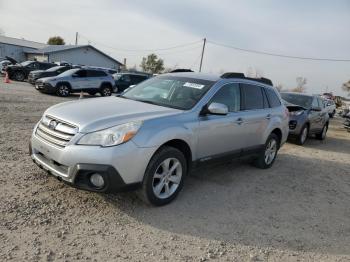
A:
{"points": [[270, 151], [167, 178], [304, 135], [19, 76], [64, 91]]}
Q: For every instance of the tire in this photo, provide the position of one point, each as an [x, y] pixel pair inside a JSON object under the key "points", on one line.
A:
{"points": [[63, 90], [322, 135], [302, 137], [268, 156], [332, 114], [19, 76], [161, 186], [106, 90]]}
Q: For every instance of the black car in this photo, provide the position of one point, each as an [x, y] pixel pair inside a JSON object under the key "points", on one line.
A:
{"points": [[307, 116], [124, 80], [20, 72], [53, 71]]}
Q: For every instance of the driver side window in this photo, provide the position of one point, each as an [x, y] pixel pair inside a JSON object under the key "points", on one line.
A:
{"points": [[81, 73], [229, 95], [315, 103]]}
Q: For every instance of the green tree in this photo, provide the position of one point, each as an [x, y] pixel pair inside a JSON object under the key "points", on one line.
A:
{"points": [[152, 64], [56, 40]]}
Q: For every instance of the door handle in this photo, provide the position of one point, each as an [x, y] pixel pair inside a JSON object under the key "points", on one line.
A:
{"points": [[268, 116], [239, 121]]}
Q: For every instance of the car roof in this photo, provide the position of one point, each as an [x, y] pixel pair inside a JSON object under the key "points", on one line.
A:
{"points": [[203, 76]]}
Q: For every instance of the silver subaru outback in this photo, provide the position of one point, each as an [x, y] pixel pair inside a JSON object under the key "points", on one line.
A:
{"points": [[152, 135]]}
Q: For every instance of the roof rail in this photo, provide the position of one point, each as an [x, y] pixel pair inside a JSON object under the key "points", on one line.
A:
{"points": [[241, 75]]}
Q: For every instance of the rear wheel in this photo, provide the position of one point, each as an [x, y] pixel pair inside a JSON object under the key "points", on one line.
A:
{"points": [[19, 76], [322, 135], [63, 90], [164, 177], [106, 90], [269, 154], [304, 133]]}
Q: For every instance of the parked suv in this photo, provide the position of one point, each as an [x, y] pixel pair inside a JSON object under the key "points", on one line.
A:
{"points": [[308, 116], [330, 107], [53, 71], [20, 72], [149, 137], [124, 80], [77, 80]]}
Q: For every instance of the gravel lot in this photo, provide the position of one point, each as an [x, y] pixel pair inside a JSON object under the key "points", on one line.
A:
{"points": [[297, 211]]}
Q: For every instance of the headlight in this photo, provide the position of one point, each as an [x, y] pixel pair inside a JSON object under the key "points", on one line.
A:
{"points": [[112, 136], [296, 113]]}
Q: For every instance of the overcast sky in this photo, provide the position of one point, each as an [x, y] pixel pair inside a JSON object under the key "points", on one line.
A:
{"points": [[314, 29]]}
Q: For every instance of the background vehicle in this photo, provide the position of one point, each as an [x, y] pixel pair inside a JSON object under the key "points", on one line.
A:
{"points": [[330, 107], [77, 80], [307, 116], [53, 71], [124, 80], [4, 63], [149, 137], [20, 72]]}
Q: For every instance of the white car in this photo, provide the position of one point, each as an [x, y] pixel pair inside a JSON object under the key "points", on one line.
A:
{"points": [[330, 107]]}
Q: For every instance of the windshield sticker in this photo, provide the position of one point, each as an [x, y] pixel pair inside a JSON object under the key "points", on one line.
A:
{"points": [[194, 85]]}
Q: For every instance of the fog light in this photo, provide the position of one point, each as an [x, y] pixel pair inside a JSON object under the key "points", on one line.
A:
{"points": [[97, 180]]}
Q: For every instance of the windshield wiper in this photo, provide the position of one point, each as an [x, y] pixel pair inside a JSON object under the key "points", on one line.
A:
{"points": [[146, 101]]}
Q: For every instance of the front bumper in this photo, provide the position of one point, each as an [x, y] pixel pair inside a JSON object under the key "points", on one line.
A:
{"points": [[45, 87], [122, 166]]}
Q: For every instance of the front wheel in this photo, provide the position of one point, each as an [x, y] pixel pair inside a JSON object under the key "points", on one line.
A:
{"points": [[304, 133], [164, 177], [63, 90], [267, 157], [19, 76], [323, 134]]}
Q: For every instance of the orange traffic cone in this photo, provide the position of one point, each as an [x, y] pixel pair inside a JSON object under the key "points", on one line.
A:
{"points": [[7, 79]]}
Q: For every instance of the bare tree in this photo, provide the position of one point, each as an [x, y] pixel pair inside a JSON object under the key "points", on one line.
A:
{"points": [[346, 87], [301, 82], [254, 72], [279, 87]]}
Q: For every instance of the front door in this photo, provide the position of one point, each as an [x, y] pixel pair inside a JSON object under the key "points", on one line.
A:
{"points": [[222, 134], [80, 81]]}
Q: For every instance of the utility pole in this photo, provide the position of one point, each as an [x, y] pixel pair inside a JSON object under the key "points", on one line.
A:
{"points": [[200, 66], [76, 38]]}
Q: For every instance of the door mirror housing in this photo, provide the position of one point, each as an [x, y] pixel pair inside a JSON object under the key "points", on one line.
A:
{"points": [[217, 109], [316, 109]]}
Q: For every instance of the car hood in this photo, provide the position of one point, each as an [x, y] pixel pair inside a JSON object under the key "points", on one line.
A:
{"points": [[99, 113], [52, 78]]}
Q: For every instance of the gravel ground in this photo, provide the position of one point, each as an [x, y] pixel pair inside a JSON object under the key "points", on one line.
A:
{"points": [[296, 211]]}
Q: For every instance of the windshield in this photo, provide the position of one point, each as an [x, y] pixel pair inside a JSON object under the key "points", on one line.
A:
{"points": [[53, 69], [296, 99], [26, 63], [69, 72], [169, 91]]}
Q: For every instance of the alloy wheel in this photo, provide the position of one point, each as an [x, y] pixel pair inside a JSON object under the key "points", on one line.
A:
{"points": [[270, 151], [303, 135], [63, 90], [167, 178]]}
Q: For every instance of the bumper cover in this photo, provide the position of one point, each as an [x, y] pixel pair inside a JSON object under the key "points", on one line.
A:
{"points": [[45, 87]]}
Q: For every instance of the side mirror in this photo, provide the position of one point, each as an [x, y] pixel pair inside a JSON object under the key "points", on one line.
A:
{"points": [[217, 109], [75, 75], [316, 109]]}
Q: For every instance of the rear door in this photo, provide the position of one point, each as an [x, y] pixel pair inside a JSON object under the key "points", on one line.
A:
{"points": [[222, 134], [96, 77], [80, 80], [256, 115]]}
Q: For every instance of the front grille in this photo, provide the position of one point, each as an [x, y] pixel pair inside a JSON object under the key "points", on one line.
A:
{"points": [[55, 131], [292, 124]]}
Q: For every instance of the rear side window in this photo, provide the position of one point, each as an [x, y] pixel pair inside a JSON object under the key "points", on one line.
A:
{"points": [[229, 95], [252, 97], [273, 98], [96, 73]]}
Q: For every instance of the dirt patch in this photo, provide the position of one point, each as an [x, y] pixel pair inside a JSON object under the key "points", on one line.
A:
{"points": [[297, 211]]}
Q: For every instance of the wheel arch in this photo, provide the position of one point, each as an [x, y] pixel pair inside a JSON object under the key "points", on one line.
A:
{"points": [[63, 82], [278, 132], [182, 146]]}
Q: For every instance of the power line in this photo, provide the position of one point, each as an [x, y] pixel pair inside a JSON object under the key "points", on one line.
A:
{"points": [[140, 50], [277, 55]]}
